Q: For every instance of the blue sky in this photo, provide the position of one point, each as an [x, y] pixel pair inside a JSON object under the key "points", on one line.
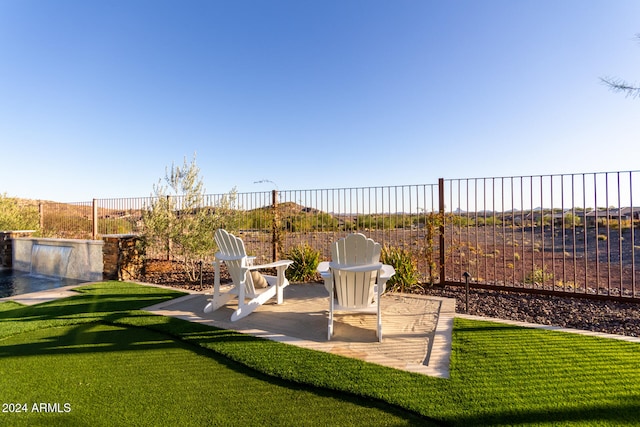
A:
{"points": [[97, 98]]}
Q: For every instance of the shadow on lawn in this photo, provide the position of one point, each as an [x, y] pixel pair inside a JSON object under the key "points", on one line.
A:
{"points": [[86, 305], [621, 413], [102, 304], [113, 323]]}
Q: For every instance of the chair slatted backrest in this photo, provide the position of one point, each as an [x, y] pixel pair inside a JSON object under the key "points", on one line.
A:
{"points": [[232, 246], [355, 289]]}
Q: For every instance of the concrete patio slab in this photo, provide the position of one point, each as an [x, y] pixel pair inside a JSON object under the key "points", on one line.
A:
{"points": [[416, 328]]}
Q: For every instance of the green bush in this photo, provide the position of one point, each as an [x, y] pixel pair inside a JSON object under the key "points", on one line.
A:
{"points": [[571, 220], [305, 262], [15, 215], [402, 261]]}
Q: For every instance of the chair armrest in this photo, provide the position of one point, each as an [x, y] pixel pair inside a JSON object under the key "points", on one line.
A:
{"points": [[325, 273], [356, 268], [276, 264], [387, 272], [323, 268]]}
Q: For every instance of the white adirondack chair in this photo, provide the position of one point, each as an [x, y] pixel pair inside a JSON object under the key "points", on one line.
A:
{"points": [[355, 278], [240, 266]]}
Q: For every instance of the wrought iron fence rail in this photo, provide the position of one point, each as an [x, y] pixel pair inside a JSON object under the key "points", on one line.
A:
{"points": [[566, 233]]}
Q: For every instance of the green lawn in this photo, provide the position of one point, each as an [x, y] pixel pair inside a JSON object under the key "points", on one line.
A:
{"points": [[96, 359]]}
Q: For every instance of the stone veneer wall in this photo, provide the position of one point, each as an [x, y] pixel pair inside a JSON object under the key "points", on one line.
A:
{"points": [[122, 257], [6, 245]]}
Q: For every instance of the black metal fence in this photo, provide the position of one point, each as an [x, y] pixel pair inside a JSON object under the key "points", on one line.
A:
{"points": [[573, 234], [567, 233]]}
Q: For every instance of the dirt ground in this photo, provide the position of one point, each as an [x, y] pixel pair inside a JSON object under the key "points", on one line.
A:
{"points": [[571, 260], [171, 273]]}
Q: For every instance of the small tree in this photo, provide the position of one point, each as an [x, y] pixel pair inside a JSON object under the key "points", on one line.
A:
{"points": [[180, 222]]}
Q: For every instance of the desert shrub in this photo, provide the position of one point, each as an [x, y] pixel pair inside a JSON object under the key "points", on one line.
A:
{"points": [[461, 221], [488, 221], [384, 222], [17, 216], [116, 226], [258, 219], [305, 261], [624, 224], [602, 237], [546, 220], [402, 261], [324, 221], [348, 225], [571, 220], [538, 276]]}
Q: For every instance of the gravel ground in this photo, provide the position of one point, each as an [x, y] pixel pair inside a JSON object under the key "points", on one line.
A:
{"points": [[594, 315]]}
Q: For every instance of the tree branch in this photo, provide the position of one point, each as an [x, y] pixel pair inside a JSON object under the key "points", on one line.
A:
{"points": [[617, 85]]}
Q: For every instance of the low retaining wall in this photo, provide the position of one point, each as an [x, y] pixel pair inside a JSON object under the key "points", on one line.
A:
{"points": [[85, 261], [115, 257]]}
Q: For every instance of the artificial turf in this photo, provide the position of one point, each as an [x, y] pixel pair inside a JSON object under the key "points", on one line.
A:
{"points": [[114, 364]]}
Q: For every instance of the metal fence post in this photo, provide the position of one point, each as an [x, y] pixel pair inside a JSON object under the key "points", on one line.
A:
{"points": [[441, 248], [275, 227], [466, 277], [94, 229], [41, 213], [169, 242]]}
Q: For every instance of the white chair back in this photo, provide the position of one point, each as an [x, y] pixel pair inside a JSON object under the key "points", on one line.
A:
{"points": [[237, 262], [355, 289]]}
